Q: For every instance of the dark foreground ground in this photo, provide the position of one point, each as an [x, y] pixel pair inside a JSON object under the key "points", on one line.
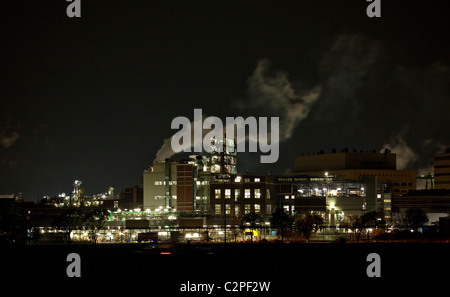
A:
{"points": [[291, 269]]}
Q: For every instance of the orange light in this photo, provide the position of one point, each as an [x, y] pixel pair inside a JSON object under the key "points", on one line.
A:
{"points": [[166, 253]]}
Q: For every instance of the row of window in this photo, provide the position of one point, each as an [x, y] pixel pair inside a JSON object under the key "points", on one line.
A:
{"points": [[238, 179], [299, 179], [403, 191], [442, 174], [157, 197], [162, 183], [237, 209], [236, 193], [174, 183], [402, 184]]}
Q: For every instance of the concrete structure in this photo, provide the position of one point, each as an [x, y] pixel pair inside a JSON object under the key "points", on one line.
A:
{"points": [[238, 195], [185, 187], [192, 188], [435, 203], [178, 185], [353, 165], [131, 198], [160, 186], [345, 160], [442, 170], [333, 199]]}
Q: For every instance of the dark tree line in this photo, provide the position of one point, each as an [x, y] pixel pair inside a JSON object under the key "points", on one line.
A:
{"points": [[305, 224], [74, 219], [13, 225]]}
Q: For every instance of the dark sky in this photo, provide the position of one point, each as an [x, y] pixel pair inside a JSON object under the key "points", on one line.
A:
{"points": [[92, 98]]}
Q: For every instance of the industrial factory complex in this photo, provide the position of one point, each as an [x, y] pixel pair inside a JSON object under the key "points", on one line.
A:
{"points": [[202, 197]]}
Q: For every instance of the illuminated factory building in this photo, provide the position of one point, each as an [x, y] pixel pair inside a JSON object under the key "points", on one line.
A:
{"points": [[353, 165], [195, 197], [182, 184]]}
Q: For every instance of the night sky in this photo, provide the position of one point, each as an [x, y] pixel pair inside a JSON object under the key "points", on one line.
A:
{"points": [[93, 98]]}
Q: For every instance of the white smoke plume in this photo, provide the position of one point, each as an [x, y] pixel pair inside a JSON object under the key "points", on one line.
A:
{"points": [[406, 157], [277, 95], [8, 136], [272, 94], [166, 150]]}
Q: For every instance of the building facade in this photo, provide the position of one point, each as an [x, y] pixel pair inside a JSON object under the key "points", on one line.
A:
{"points": [[354, 165], [442, 170], [238, 195], [334, 199], [160, 186], [131, 198]]}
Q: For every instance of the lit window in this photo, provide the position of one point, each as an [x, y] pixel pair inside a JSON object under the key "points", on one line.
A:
{"points": [[247, 208], [227, 193], [247, 180], [267, 193], [257, 193], [237, 194], [268, 209], [247, 193], [237, 179], [217, 209], [257, 208], [257, 179], [159, 183], [228, 209], [237, 210], [217, 193], [286, 197]]}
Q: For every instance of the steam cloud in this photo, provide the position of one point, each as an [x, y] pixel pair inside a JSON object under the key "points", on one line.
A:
{"points": [[166, 150], [277, 95], [365, 82], [270, 96], [405, 154], [8, 136], [361, 81]]}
